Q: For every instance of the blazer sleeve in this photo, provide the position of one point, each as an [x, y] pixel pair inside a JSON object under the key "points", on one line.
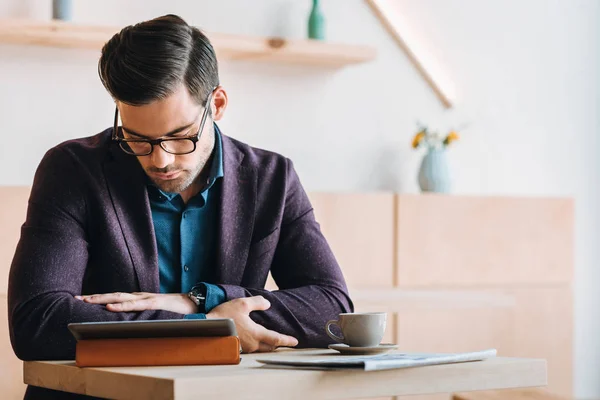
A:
{"points": [[49, 265], [312, 286]]}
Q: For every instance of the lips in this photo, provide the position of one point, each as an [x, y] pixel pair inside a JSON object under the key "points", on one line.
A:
{"points": [[165, 176]]}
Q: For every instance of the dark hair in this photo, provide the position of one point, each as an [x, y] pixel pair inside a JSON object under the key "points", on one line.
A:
{"points": [[148, 61]]}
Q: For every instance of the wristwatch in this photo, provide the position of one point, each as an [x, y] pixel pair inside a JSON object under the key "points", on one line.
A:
{"points": [[198, 296]]}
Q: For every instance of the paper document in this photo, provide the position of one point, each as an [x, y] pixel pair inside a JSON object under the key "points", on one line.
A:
{"points": [[376, 362]]}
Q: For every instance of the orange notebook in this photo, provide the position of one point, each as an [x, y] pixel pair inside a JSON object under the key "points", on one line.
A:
{"points": [[162, 351]]}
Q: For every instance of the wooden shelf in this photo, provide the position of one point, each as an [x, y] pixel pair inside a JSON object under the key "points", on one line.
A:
{"points": [[227, 46]]}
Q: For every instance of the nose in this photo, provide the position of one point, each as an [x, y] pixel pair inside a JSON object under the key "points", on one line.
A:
{"points": [[160, 158]]}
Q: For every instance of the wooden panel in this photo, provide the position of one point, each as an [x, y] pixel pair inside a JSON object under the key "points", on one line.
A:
{"points": [[360, 230], [399, 299], [538, 325], [510, 394], [12, 216], [227, 46], [455, 329], [11, 376], [270, 285], [455, 240], [544, 328], [440, 396]]}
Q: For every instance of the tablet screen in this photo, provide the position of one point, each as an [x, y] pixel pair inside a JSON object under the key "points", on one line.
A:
{"points": [[153, 329]]}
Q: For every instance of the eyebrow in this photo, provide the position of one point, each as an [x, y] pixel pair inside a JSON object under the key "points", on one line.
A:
{"points": [[171, 133]]}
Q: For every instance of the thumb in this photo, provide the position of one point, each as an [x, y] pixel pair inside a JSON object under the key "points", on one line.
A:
{"points": [[258, 303]]}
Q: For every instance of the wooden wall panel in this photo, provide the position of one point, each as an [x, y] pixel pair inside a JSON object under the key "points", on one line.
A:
{"points": [[461, 240], [539, 324], [455, 329], [440, 396], [270, 285], [11, 368], [401, 299], [543, 328], [512, 394], [12, 216], [359, 227]]}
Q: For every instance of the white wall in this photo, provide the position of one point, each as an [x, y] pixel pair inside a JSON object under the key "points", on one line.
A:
{"points": [[526, 78]]}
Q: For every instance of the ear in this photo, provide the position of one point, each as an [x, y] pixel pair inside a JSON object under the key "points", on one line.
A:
{"points": [[219, 103]]}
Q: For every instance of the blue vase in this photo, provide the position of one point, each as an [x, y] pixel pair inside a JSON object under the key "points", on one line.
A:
{"points": [[433, 174], [316, 22], [62, 9]]}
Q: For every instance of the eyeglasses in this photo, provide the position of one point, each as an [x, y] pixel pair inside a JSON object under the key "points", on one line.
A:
{"points": [[177, 146]]}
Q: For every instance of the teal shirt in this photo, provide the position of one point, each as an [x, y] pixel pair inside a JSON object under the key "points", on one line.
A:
{"points": [[186, 235]]}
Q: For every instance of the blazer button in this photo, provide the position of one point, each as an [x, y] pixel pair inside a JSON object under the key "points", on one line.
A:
{"points": [[185, 268]]}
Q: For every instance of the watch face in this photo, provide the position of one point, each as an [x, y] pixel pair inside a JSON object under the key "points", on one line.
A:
{"points": [[198, 292], [194, 298], [199, 297]]}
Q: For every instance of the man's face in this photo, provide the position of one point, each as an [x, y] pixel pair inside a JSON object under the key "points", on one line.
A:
{"points": [[176, 116]]}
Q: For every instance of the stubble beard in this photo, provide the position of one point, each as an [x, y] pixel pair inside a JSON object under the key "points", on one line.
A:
{"points": [[183, 182]]}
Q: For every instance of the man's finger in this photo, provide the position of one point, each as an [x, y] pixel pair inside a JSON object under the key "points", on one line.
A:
{"points": [[109, 298], [265, 348], [256, 303], [276, 339], [131, 305]]}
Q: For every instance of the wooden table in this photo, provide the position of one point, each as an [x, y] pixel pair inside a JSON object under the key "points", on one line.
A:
{"points": [[252, 380]]}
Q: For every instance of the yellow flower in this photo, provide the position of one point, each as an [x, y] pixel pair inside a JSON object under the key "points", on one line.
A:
{"points": [[417, 139], [452, 136]]}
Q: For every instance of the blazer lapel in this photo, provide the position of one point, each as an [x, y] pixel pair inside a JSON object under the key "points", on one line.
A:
{"points": [[236, 215], [125, 179]]}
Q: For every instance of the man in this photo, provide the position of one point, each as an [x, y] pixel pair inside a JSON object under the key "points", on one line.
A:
{"points": [[164, 217]]}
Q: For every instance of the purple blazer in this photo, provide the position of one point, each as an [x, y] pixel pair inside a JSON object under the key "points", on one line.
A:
{"points": [[89, 230]]}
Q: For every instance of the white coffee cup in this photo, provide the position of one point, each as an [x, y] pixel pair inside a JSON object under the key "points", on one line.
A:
{"points": [[359, 329]]}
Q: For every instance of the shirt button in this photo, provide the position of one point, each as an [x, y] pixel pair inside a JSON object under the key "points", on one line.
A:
{"points": [[184, 215], [186, 268]]}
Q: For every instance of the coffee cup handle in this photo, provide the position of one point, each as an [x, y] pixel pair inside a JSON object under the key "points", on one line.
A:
{"points": [[331, 334]]}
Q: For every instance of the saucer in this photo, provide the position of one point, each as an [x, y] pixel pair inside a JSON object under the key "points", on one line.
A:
{"points": [[380, 349]]}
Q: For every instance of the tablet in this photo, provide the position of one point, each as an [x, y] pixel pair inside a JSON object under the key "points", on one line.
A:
{"points": [[153, 329]]}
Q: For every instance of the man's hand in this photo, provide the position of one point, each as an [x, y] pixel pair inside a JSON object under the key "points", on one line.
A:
{"points": [[253, 337], [123, 302]]}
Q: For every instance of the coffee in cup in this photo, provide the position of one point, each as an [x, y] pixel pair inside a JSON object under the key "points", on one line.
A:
{"points": [[359, 329]]}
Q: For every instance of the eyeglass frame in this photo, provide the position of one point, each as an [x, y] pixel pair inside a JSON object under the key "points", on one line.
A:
{"points": [[154, 142]]}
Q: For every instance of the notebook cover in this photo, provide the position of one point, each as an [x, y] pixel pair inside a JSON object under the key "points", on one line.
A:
{"points": [[158, 351]]}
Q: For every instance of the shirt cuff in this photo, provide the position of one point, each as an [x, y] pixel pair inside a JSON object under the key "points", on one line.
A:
{"points": [[214, 296], [194, 316]]}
